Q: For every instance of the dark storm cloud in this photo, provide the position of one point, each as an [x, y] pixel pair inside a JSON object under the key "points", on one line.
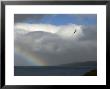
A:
{"points": [[25, 17]]}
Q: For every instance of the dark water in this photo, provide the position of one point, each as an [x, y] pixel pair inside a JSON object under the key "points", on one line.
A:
{"points": [[52, 71]]}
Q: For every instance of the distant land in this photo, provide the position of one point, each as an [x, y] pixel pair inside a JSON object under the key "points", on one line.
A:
{"points": [[91, 73], [78, 64]]}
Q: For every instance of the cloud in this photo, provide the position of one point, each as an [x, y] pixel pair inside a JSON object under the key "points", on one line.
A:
{"points": [[57, 44], [90, 33], [36, 27], [27, 17], [82, 16], [65, 31]]}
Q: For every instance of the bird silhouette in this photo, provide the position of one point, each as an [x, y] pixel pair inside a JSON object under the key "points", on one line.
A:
{"points": [[75, 31]]}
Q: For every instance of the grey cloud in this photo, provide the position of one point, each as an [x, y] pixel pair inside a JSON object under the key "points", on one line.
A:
{"points": [[85, 15], [55, 50], [76, 53], [82, 16], [90, 33], [20, 60], [23, 17], [86, 18]]}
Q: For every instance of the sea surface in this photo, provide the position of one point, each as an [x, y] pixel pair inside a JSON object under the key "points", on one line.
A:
{"points": [[52, 71]]}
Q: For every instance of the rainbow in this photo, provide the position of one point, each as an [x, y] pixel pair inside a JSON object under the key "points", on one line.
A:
{"points": [[30, 56]]}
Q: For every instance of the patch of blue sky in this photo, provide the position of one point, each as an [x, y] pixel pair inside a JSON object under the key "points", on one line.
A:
{"points": [[63, 19]]}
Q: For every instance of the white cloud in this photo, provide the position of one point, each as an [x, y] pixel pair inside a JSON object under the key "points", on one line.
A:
{"points": [[65, 31], [36, 27], [70, 31]]}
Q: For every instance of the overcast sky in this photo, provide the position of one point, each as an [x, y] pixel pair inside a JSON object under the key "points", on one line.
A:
{"points": [[54, 39]]}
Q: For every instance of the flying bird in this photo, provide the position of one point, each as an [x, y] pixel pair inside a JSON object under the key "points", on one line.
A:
{"points": [[75, 31]]}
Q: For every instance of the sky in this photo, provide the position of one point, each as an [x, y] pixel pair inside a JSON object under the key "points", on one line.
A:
{"points": [[60, 19], [54, 39]]}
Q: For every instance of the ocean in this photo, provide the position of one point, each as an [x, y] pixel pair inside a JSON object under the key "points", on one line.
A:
{"points": [[52, 70]]}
